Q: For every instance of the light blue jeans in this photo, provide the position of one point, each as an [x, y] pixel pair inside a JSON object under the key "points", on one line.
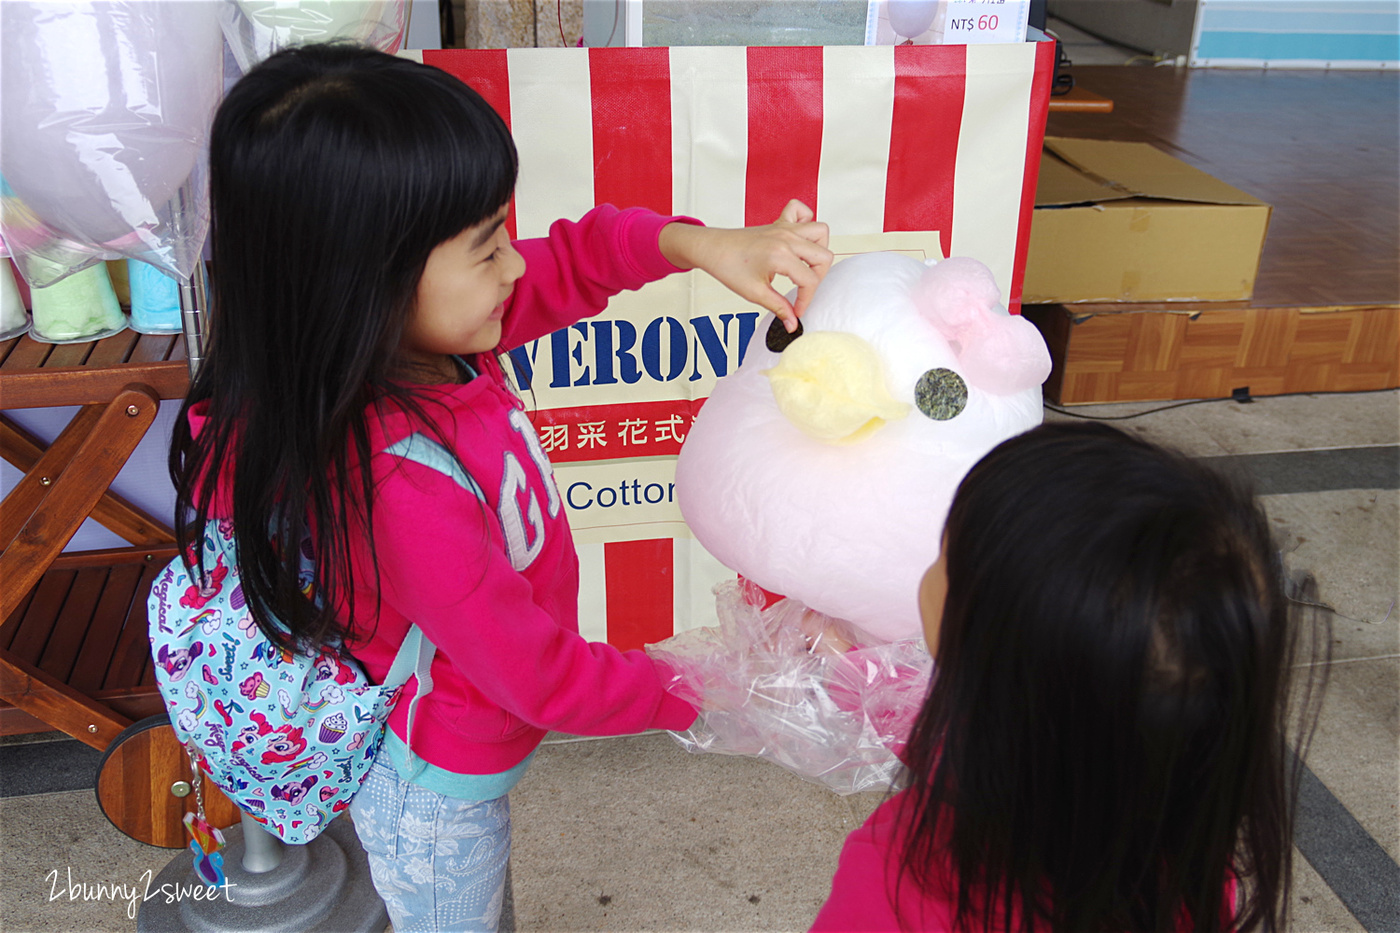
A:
{"points": [[438, 862]]}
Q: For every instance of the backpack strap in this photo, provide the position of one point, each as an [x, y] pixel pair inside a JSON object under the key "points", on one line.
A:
{"points": [[424, 450], [415, 656], [414, 659]]}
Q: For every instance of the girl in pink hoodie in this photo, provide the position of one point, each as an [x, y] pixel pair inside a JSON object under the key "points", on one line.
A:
{"points": [[364, 282]]}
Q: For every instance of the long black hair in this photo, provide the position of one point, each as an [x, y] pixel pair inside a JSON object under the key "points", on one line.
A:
{"points": [[334, 171], [1105, 736]]}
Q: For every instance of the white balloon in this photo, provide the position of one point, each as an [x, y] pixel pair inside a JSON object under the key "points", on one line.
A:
{"points": [[910, 18]]}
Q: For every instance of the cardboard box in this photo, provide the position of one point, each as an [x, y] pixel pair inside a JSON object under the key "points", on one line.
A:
{"points": [[1120, 221]]}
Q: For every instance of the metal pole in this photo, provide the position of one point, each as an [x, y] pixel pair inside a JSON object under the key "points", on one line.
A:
{"points": [[262, 851], [194, 302], [194, 290]]}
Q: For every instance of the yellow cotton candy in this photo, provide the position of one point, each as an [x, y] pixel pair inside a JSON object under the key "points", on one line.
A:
{"points": [[830, 385]]}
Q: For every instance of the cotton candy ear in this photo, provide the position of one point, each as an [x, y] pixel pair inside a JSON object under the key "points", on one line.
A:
{"points": [[998, 352], [1008, 357], [956, 295]]}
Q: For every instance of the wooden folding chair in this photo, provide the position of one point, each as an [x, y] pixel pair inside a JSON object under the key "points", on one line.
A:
{"points": [[74, 652]]}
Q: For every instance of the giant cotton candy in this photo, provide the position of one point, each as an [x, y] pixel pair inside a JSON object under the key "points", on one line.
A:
{"points": [[104, 116], [848, 525]]}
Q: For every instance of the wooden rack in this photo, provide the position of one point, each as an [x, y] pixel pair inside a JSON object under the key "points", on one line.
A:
{"points": [[74, 653]]}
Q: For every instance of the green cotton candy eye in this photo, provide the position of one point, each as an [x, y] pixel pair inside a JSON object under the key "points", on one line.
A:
{"points": [[941, 394]]}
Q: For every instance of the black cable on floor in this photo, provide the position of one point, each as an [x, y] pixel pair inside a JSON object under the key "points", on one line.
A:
{"points": [[1151, 411], [1240, 396]]}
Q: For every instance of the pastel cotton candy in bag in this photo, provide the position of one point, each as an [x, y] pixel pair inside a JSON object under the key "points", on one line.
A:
{"points": [[104, 116], [14, 317], [822, 470], [257, 28]]}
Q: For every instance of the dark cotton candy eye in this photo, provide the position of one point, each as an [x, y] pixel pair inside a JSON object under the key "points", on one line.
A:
{"points": [[777, 339]]}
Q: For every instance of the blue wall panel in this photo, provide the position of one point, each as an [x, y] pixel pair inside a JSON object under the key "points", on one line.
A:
{"points": [[1281, 31]]}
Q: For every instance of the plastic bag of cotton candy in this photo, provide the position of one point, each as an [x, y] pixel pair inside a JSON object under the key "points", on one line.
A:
{"points": [[822, 470], [257, 28], [793, 686]]}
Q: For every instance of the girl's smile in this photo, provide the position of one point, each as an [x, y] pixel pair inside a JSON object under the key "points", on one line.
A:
{"points": [[461, 296]]}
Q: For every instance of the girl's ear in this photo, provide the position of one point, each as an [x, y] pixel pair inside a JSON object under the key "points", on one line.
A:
{"points": [[933, 594]]}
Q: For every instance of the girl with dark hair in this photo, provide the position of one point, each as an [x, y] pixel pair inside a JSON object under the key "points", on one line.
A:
{"points": [[364, 281], [1104, 743]]}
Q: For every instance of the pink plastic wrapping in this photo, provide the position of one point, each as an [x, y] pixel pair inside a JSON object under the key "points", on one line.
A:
{"points": [[798, 688]]}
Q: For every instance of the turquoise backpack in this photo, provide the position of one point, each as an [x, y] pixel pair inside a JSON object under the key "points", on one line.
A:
{"points": [[288, 737]]}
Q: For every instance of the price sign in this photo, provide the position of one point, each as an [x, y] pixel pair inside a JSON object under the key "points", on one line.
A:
{"points": [[978, 21], [946, 22]]}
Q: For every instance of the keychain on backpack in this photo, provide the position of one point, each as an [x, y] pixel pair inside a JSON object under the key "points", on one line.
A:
{"points": [[207, 840]]}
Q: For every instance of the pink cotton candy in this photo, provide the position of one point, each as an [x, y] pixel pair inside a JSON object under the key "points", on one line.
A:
{"points": [[848, 527]]}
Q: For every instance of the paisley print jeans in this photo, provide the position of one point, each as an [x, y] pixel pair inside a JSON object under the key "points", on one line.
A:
{"points": [[438, 862]]}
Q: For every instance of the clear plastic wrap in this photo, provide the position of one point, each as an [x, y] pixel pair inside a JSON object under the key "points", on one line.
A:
{"points": [[77, 308], [257, 28], [798, 688], [105, 110], [14, 317], [104, 116]]}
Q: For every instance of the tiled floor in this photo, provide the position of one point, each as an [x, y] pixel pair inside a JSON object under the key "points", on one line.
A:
{"points": [[635, 834]]}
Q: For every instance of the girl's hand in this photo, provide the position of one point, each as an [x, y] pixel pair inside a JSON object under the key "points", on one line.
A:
{"points": [[747, 259]]}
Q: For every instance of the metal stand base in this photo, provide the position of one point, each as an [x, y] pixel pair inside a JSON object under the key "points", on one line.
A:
{"points": [[323, 886]]}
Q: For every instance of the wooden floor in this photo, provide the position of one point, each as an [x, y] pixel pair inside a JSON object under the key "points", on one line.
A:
{"points": [[1324, 149]]}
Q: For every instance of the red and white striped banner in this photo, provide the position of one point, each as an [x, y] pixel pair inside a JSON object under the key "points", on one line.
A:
{"points": [[940, 140]]}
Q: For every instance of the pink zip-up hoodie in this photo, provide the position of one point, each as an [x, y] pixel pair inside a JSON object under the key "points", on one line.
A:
{"points": [[868, 895], [474, 546]]}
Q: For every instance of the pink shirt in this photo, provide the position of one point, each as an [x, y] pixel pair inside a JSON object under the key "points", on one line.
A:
{"points": [[488, 570], [864, 894]]}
